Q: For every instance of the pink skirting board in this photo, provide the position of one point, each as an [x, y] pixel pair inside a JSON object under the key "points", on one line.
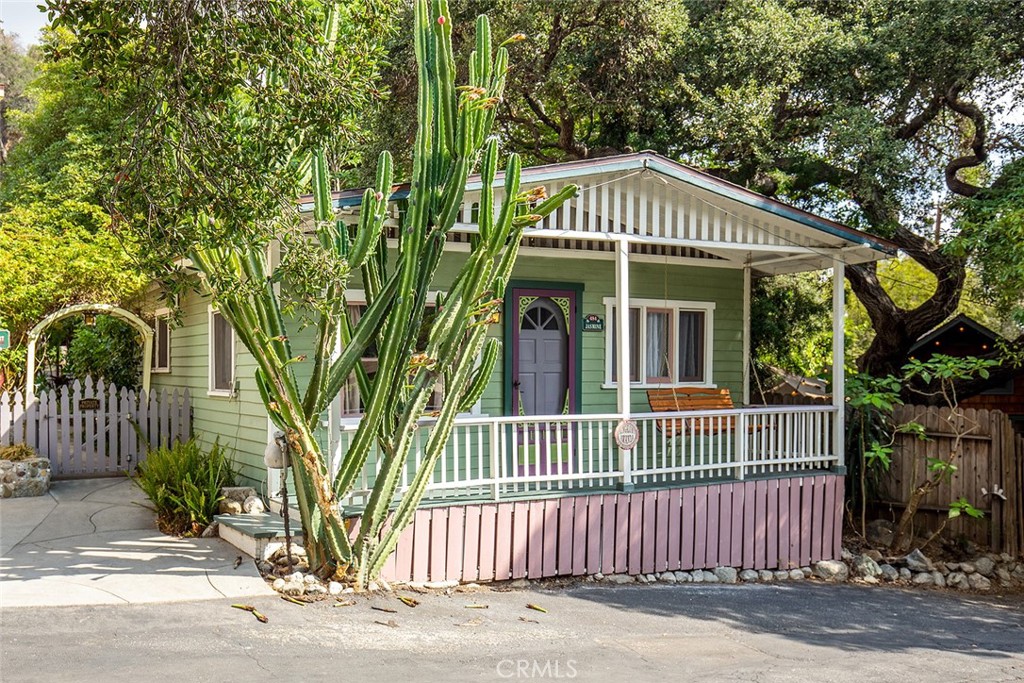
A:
{"points": [[767, 524]]}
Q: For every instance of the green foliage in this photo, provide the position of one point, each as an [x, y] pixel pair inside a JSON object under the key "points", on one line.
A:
{"points": [[184, 481], [56, 248], [110, 351], [791, 323], [17, 452], [960, 506]]}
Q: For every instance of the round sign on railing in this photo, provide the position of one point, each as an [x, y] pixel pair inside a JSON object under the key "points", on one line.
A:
{"points": [[626, 435]]}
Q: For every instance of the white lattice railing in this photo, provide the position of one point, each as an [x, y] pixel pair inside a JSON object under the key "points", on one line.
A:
{"points": [[494, 457]]}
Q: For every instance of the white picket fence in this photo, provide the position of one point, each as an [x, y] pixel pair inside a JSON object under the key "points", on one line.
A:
{"points": [[89, 429]]}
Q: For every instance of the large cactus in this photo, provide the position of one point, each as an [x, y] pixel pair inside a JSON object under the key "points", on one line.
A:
{"points": [[453, 139]]}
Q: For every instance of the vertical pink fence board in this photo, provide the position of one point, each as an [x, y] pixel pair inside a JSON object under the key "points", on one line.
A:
{"points": [[828, 516], [675, 509], [772, 552], [504, 547], [453, 561], [520, 539], [471, 545], [661, 534], [760, 521], [621, 541], [725, 525], [794, 522], [595, 509], [566, 517], [607, 534], [688, 518], [700, 526], [749, 507], [817, 517], [535, 553], [806, 484], [737, 524], [711, 539], [491, 546], [784, 524], [760, 524], [649, 533], [635, 531], [580, 539], [837, 531]]}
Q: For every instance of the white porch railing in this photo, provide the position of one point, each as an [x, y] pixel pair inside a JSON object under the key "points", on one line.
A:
{"points": [[495, 457]]}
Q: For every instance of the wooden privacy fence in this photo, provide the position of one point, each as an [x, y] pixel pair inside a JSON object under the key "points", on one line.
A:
{"points": [[990, 476], [89, 429]]}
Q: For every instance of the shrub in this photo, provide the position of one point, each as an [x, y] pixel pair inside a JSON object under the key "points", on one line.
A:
{"points": [[184, 483], [18, 451]]}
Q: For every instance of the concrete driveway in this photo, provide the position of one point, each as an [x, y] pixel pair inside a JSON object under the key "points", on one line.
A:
{"points": [[95, 541]]}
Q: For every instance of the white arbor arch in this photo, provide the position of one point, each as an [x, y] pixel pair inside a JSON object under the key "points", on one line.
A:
{"points": [[135, 321]]}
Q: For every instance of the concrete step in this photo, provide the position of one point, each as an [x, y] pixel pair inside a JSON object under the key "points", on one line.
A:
{"points": [[256, 535]]}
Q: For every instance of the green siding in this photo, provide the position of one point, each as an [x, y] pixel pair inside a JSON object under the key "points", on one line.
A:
{"points": [[241, 423]]}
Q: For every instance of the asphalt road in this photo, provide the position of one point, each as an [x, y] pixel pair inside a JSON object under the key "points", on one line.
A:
{"points": [[796, 632]]}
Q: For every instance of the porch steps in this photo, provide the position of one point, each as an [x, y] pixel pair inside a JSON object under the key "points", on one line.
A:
{"points": [[256, 535]]}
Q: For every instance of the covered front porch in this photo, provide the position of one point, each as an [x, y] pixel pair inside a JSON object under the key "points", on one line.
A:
{"points": [[659, 259]]}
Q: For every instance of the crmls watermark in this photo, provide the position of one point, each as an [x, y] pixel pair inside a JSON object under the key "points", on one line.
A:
{"points": [[535, 668]]}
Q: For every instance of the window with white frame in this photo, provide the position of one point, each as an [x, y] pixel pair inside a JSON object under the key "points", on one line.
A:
{"points": [[161, 360], [670, 342], [222, 355], [351, 401]]}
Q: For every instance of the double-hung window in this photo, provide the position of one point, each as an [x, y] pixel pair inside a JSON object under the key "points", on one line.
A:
{"points": [[670, 342], [161, 360], [222, 355]]}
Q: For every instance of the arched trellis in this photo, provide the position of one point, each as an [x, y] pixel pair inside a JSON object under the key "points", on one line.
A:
{"points": [[135, 321]]}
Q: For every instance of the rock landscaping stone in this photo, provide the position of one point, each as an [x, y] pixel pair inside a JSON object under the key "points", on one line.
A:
{"points": [[698, 576], [725, 574], [1005, 557], [808, 572], [253, 505], [889, 572], [845, 555], [651, 578], [865, 566], [316, 589], [1018, 573], [684, 577], [229, 507], [796, 574], [335, 588], [766, 575], [967, 567], [985, 566], [667, 577], [619, 578], [874, 555], [444, 585], [957, 580], [938, 579], [642, 578], [599, 577], [923, 579], [279, 584], [918, 562], [24, 478], [953, 566], [880, 533], [1004, 575], [832, 570], [782, 575], [979, 582], [748, 575], [906, 574], [237, 493], [709, 577]]}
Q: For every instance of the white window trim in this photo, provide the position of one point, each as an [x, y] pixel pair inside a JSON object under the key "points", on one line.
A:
{"points": [[705, 307], [357, 297], [159, 313], [210, 389]]}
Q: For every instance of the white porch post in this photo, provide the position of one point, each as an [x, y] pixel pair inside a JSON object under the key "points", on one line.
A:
{"points": [[622, 346], [746, 334], [838, 361]]}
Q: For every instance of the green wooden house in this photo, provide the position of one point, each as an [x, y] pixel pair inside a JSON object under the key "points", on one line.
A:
{"points": [[644, 275]]}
